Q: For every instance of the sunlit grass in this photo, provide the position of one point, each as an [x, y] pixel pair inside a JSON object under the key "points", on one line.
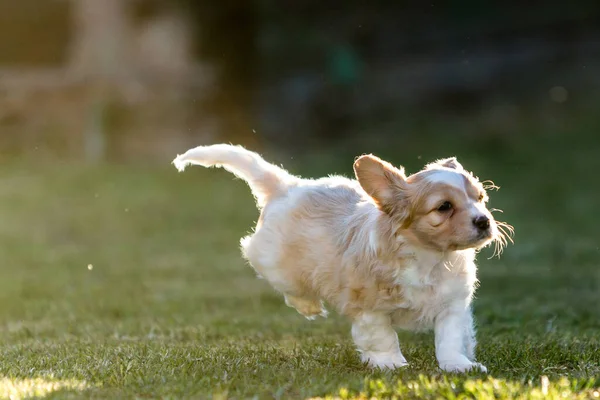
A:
{"points": [[18, 389], [480, 389]]}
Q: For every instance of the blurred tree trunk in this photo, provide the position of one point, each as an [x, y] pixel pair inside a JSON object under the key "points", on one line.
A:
{"points": [[99, 55]]}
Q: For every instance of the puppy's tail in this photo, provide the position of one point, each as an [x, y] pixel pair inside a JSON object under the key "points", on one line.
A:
{"points": [[267, 181]]}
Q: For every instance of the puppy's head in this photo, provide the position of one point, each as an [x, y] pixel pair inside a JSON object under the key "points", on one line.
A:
{"points": [[442, 207]]}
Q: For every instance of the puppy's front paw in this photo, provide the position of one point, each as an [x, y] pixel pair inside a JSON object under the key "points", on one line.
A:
{"points": [[384, 360], [462, 366]]}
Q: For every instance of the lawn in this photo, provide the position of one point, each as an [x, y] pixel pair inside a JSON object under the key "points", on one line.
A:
{"points": [[125, 281]]}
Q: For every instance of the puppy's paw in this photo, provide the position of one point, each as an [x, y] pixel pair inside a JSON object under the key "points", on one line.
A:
{"points": [[462, 366], [311, 317], [383, 360], [310, 309]]}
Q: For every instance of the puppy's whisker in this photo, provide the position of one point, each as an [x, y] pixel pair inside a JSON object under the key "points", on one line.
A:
{"points": [[496, 210], [507, 230], [504, 234], [490, 185], [498, 247], [506, 225], [500, 243]]}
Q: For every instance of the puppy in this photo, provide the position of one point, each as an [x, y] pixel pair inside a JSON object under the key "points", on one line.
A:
{"points": [[386, 250]]}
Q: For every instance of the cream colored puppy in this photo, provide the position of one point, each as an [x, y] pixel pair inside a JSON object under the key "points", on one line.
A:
{"points": [[386, 250]]}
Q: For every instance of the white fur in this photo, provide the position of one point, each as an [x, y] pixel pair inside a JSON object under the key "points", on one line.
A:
{"points": [[264, 178], [448, 177], [326, 240], [377, 342]]}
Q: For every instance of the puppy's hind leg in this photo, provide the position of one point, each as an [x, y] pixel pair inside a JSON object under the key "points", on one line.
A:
{"points": [[261, 250], [310, 308], [262, 257]]}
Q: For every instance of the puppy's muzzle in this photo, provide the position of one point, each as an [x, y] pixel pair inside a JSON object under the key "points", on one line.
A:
{"points": [[482, 223]]}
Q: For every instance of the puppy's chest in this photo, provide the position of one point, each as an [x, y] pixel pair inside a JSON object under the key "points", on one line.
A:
{"points": [[426, 292], [420, 297]]}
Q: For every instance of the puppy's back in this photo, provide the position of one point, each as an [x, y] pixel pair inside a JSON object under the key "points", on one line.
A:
{"points": [[305, 233]]}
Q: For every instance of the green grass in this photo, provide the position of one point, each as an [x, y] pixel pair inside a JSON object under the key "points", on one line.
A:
{"points": [[126, 282]]}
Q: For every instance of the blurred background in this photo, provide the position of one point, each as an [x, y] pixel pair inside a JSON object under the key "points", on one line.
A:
{"points": [[124, 80], [103, 238]]}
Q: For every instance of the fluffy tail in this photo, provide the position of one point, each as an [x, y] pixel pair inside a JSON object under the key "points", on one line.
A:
{"points": [[266, 180]]}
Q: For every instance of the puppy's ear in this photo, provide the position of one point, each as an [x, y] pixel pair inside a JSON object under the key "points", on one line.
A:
{"points": [[381, 180], [450, 162]]}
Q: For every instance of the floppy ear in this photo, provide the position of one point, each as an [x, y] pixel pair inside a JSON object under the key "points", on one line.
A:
{"points": [[450, 162], [381, 180]]}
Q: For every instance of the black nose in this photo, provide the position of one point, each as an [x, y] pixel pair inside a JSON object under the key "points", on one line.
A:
{"points": [[482, 222]]}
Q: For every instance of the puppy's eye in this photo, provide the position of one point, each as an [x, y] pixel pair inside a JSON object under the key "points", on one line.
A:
{"points": [[445, 206], [480, 197]]}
